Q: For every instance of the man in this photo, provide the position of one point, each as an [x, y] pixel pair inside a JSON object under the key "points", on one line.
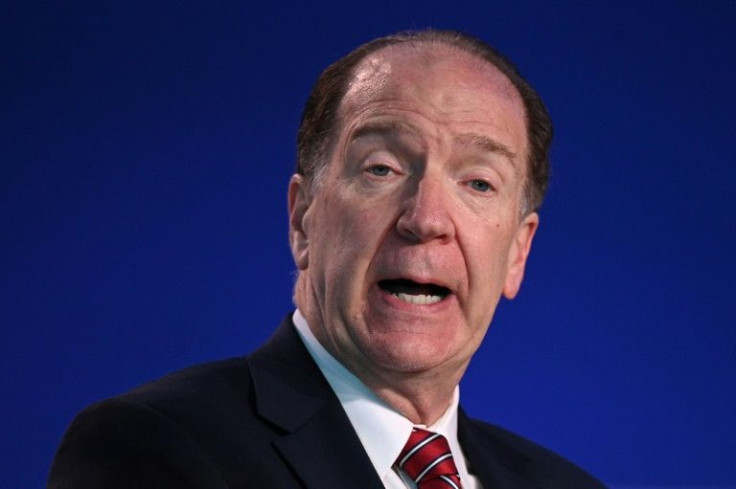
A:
{"points": [[422, 161]]}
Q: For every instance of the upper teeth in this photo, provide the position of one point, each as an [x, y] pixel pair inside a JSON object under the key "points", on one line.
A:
{"points": [[418, 299]]}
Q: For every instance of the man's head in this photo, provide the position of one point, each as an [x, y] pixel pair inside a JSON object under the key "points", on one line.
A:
{"points": [[416, 224]]}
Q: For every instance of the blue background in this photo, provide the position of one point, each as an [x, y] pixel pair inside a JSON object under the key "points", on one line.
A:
{"points": [[145, 151]]}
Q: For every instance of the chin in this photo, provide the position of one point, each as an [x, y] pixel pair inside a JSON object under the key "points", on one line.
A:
{"points": [[398, 353]]}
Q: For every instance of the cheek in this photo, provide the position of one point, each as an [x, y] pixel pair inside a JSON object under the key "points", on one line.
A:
{"points": [[347, 242], [487, 260], [360, 226]]}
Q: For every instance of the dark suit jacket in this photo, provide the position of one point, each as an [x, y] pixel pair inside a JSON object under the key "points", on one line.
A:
{"points": [[269, 420]]}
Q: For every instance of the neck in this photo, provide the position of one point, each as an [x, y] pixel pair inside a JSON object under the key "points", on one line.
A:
{"points": [[420, 401]]}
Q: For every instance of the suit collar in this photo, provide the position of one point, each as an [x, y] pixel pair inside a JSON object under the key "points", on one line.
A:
{"points": [[292, 394]]}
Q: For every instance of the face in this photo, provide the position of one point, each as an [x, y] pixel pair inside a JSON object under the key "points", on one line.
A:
{"points": [[414, 230]]}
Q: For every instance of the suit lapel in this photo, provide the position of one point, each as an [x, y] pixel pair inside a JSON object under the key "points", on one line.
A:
{"points": [[319, 443], [496, 465], [325, 457]]}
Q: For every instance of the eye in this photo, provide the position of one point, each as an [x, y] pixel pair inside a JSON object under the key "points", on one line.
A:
{"points": [[480, 185], [379, 170]]}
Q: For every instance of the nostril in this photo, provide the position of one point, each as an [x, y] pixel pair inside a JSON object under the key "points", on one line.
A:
{"points": [[422, 226]]}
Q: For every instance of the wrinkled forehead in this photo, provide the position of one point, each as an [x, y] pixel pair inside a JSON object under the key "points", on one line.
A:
{"points": [[444, 84], [405, 66]]}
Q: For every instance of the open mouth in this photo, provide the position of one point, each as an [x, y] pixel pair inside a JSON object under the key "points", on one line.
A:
{"points": [[413, 292]]}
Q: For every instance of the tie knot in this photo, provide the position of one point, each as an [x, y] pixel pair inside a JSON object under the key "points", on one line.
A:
{"points": [[427, 459]]}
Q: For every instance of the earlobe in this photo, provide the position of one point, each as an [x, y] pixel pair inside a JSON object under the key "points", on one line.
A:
{"points": [[518, 254], [299, 201]]}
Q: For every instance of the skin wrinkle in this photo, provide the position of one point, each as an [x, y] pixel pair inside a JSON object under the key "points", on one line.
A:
{"points": [[398, 130], [485, 141], [441, 114]]}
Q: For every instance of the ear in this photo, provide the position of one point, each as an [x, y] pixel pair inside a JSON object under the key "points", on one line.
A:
{"points": [[518, 253], [299, 201]]}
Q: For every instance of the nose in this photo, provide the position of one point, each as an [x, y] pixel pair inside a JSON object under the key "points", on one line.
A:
{"points": [[426, 212]]}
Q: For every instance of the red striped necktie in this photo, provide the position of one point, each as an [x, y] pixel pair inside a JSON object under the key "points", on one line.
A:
{"points": [[427, 459]]}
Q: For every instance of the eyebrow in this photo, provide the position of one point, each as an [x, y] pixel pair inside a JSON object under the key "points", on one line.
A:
{"points": [[393, 127], [385, 128], [485, 143]]}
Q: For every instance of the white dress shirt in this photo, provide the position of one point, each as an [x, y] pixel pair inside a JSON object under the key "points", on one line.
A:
{"points": [[382, 430]]}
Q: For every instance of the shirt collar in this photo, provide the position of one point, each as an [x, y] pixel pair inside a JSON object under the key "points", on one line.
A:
{"points": [[382, 430]]}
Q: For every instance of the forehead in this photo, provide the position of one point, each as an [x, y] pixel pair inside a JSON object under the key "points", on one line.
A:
{"points": [[438, 83]]}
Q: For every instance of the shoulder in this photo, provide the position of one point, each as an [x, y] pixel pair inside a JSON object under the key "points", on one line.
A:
{"points": [[535, 464], [195, 388], [198, 427], [162, 434]]}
